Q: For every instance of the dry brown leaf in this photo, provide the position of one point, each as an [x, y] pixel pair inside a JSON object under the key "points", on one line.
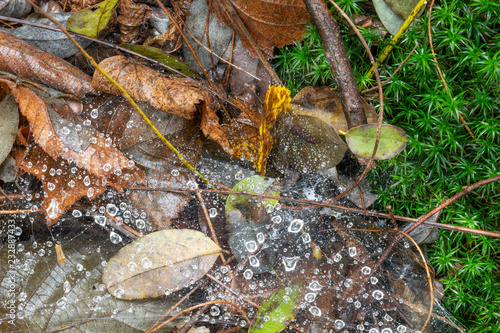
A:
{"points": [[132, 17], [28, 62], [271, 23], [99, 157], [325, 104], [63, 186], [249, 135], [77, 5], [173, 95]]}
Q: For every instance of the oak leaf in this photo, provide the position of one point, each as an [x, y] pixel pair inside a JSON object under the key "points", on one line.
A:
{"points": [[173, 95], [249, 135], [28, 62], [271, 23]]}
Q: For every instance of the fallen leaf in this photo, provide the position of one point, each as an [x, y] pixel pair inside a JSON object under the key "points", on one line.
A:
{"points": [[92, 20], [77, 5], [161, 262], [249, 135], [161, 56], [279, 309], [97, 156], [28, 62], [173, 95], [63, 184], [14, 8], [271, 23], [393, 13], [325, 104], [132, 17], [306, 144], [8, 127], [361, 141]]}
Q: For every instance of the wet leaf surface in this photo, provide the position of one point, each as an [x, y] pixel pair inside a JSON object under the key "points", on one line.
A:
{"points": [[158, 263], [8, 127], [173, 95], [279, 309], [92, 20], [361, 141], [28, 62], [132, 17], [270, 23]]}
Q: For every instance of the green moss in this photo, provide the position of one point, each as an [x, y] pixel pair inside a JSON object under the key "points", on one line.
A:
{"points": [[442, 157]]}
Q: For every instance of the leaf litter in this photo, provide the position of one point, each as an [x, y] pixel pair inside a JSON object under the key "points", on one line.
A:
{"points": [[310, 267]]}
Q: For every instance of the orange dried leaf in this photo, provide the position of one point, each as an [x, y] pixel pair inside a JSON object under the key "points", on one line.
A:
{"points": [[96, 156], [173, 95], [255, 142], [132, 17], [29, 62], [271, 23]]}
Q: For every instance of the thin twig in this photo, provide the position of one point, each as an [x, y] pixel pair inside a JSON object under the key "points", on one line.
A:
{"points": [[395, 72], [312, 204]]}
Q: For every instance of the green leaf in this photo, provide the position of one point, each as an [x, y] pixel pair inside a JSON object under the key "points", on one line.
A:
{"points": [[252, 184], [92, 20], [279, 309], [361, 141], [161, 56]]}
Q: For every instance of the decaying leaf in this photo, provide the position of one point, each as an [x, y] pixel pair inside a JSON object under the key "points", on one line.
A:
{"points": [[279, 309], [91, 21], [14, 8], [249, 135], [361, 141], [28, 62], [8, 127], [97, 156], [161, 56], [158, 263], [272, 24], [63, 183], [325, 104], [77, 5], [132, 17], [173, 95], [393, 13]]}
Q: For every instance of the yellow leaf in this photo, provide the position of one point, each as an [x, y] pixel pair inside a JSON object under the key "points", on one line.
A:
{"points": [[249, 135]]}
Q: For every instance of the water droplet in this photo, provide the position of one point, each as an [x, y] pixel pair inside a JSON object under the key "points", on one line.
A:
{"points": [[100, 219], [357, 304], [86, 180], [175, 172], [378, 295], [212, 212], [90, 192], [239, 175], [315, 311], [306, 238], [79, 267], [339, 324], [106, 167], [295, 226], [401, 329], [366, 270], [337, 257], [119, 292], [373, 280], [71, 183], [386, 330], [352, 251], [22, 297], [66, 286], [214, 311], [141, 224], [269, 209], [248, 274], [315, 286], [310, 297], [18, 231], [253, 261], [290, 263], [277, 219], [51, 186], [132, 266], [20, 247], [146, 263], [261, 238], [348, 283], [77, 213], [192, 185], [114, 237], [251, 246], [61, 302], [111, 209], [53, 209], [373, 330]]}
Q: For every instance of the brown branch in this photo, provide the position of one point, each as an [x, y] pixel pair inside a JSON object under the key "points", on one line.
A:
{"points": [[340, 66]]}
